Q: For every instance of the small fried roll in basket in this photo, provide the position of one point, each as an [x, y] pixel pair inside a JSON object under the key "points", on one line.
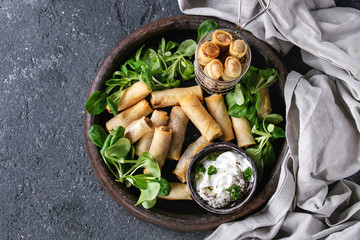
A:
{"points": [[207, 52], [232, 69], [214, 69], [222, 39], [238, 48]]}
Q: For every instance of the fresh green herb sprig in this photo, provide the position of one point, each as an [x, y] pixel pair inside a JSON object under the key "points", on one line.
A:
{"points": [[245, 99], [173, 65], [119, 156], [244, 102], [159, 69], [200, 168], [263, 153], [212, 170]]}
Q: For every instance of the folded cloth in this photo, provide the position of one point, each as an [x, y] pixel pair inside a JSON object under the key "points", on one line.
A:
{"points": [[323, 119]]}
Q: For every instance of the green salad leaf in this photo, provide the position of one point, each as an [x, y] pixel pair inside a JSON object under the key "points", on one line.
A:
{"points": [[187, 48], [166, 67], [96, 103], [244, 101], [119, 156], [205, 27], [97, 135], [148, 195], [165, 187]]}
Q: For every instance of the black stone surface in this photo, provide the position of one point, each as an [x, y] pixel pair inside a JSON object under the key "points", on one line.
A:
{"points": [[49, 53]]}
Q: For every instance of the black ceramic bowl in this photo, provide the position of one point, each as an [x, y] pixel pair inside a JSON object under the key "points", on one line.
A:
{"points": [[190, 176]]}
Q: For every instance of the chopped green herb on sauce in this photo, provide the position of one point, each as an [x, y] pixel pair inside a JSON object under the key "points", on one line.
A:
{"points": [[200, 168], [248, 174], [235, 192], [212, 157], [212, 170]]}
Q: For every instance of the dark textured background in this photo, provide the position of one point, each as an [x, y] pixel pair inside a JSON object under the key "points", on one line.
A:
{"points": [[49, 53]]}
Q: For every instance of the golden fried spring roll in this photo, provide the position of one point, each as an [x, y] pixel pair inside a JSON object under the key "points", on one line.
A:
{"points": [[171, 97], [137, 129], [129, 115], [214, 69], [222, 39], [178, 122], [192, 149], [132, 95], [238, 48], [197, 113], [242, 131], [179, 191], [217, 109], [158, 118], [207, 52], [160, 144], [232, 69], [265, 104]]}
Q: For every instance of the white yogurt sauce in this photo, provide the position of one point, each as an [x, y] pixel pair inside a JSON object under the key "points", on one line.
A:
{"points": [[212, 188]]}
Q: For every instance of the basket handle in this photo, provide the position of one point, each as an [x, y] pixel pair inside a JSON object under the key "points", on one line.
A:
{"points": [[241, 27]]}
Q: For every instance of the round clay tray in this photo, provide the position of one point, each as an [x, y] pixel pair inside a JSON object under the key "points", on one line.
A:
{"points": [[182, 215]]}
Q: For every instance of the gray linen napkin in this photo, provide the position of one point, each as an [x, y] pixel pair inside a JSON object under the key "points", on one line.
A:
{"points": [[323, 119]]}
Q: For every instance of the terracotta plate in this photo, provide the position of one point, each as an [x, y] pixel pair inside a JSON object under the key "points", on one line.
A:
{"points": [[182, 215]]}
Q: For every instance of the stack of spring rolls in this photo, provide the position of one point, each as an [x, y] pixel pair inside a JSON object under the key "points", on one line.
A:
{"points": [[223, 58], [163, 136]]}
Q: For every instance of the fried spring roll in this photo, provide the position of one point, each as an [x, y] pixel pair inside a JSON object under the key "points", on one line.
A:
{"points": [[242, 131], [129, 115], [160, 144], [232, 69], [238, 48], [192, 149], [171, 97], [214, 69], [207, 52], [137, 129], [197, 113], [178, 122], [217, 109], [265, 103], [179, 191], [158, 118], [222, 39], [132, 95]]}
